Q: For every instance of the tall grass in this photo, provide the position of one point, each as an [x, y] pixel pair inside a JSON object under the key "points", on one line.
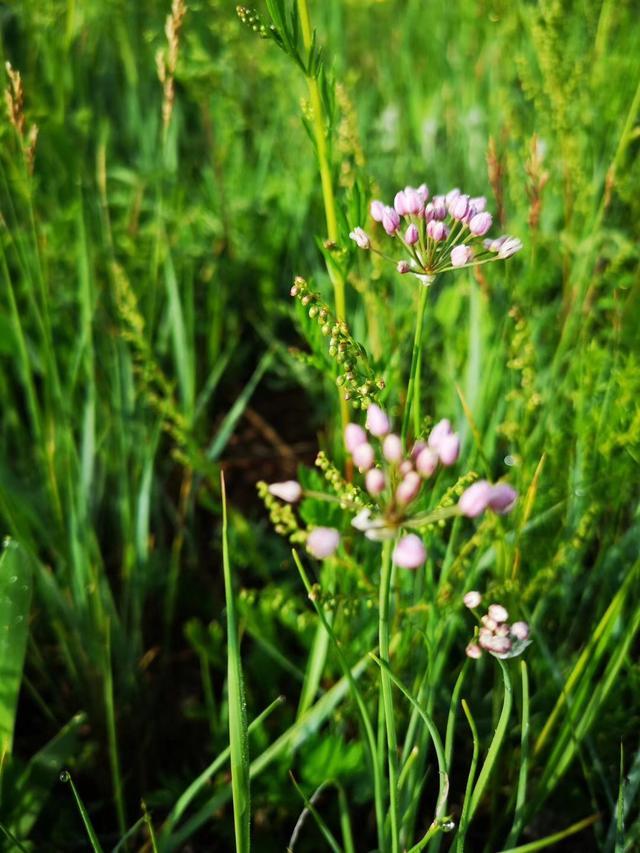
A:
{"points": [[144, 272]]}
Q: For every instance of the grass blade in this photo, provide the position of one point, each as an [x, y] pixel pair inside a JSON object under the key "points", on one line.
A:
{"points": [[238, 736], [312, 810], [496, 743], [65, 776], [16, 586]]}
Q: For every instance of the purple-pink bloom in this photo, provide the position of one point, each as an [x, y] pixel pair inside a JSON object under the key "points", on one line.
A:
{"points": [[414, 200], [479, 203], [494, 244], [439, 431], [390, 221], [461, 255], [451, 196], [498, 613], [363, 456], [408, 488], [289, 491], [322, 542], [410, 552], [403, 267], [472, 599], [376, 210], [377, 421], [475, 499], [411, 235], [423, 192], [375, 481], [437, 230], [474, 651], [520, 630], [449, 449], [392, 448], [400, 203], [459, 207], [480, 223], [427, 461], [354, 435], [503, 497], [509, 247], [360, 238]]}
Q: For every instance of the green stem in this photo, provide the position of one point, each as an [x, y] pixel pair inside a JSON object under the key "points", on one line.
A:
{"points": [[413, 388], [319, 123], [112, 736], [387, 697]]}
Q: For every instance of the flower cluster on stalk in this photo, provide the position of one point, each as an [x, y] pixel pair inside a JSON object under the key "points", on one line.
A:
{"points": [[394, 479], [495, 635], [448, 232]]}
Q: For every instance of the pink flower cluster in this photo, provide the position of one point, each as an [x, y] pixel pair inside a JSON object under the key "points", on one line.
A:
{"points": [[438, 235], [394, 480], [496, 635]]}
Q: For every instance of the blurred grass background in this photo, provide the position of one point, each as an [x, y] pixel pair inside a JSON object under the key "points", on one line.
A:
{"points": [[144, 326]]}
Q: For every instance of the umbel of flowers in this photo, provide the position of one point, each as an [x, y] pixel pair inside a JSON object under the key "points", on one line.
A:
{"points": [[394, 481], [444, 233], [495, 635]]}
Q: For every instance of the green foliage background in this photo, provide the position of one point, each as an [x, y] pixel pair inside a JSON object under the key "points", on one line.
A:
{"points": [[145, 333]]}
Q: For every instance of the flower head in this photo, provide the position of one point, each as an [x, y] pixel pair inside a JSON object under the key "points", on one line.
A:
{"points": [[443, 234], [377, 421], [410, 552], [322, 542], [289, 491], [360, 238]]}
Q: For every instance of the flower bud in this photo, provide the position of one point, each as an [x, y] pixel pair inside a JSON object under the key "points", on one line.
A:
{"points": [[400, 204], [360, 238], [410, 552], [322, 542], [480, 224], [439, 203], [289, 491], [451, 196], [475, 499], [472, 599], [414, 201], [376, 210], [459, 207], [449, 449], [503, 497], [375, 481], [363, 456], [406, 467], [474, 651], [423, 192], [427, 462], [377, 421], [437, 230], [494, 244], [354, 435], [403, 267], [408, 488], [417, 448], [498, 613], [499, 645], [439, 431], [509, 247], [392, 448], [411, 235], [390, 221], [479, 203], [489, 623], [520, 630], [461, 255]]}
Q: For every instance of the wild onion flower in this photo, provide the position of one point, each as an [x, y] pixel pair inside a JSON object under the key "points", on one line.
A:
{"points": [[394, 481], [495, 635], [437, 235]]}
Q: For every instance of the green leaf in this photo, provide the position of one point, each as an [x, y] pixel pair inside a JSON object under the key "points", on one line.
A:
{"points": [[238, 737], [16, 585]]}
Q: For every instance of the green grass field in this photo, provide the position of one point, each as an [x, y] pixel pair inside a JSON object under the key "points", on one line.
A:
{"points": [[175, 673]]}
